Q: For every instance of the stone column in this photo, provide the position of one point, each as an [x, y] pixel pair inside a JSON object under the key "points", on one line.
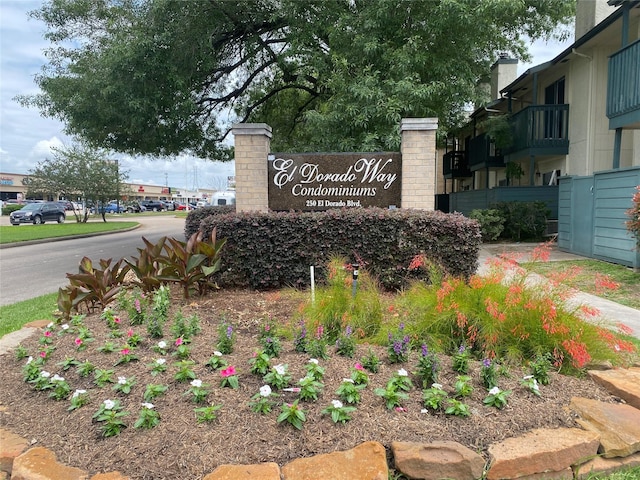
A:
{"points": [[252, 145], [418, 148]]}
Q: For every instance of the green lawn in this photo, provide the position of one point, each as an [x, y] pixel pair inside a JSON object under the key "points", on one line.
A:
{"points": [[26, 232], [14, 316], [586, 274]]}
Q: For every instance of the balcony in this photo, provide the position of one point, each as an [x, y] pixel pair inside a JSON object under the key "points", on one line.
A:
{"points": [[623, 88], [539, 130], [455, 164], [483, 154]]}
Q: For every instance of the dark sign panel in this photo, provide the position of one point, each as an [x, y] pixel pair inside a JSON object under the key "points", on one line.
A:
{"points": [[319, 181]]}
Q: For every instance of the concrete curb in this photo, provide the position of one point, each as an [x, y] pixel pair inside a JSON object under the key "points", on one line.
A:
{"points": [[69, 237]]}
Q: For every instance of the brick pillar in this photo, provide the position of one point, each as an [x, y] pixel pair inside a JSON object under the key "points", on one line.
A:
{"points": [[252, 145], [418, 150]]}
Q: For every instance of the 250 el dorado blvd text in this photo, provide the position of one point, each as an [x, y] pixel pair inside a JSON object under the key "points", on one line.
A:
{"points": [[367, 170]]}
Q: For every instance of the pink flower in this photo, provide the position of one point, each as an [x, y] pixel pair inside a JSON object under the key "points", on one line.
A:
{"points": [[116, 320], [178, 342], [130, 332], [47, 333], [358, 366], [78, 341], [227, 372], [125, 351], [43, 354], [400, 409]]}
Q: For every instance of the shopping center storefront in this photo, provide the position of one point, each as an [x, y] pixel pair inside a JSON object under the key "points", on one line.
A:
{"points": [[13, 186]]}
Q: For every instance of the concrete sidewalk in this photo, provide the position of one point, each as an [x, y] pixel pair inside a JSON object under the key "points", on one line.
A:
{"points": [[610, 312]]}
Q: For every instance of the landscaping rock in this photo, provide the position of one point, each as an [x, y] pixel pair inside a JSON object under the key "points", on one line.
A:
{"points": [[263, 471], [40, 463], [618, 425], [11, 340], [606, 466], [367, 461], [622, 382], [546, 451], [11, 446], [437, 460], [37, 324]]}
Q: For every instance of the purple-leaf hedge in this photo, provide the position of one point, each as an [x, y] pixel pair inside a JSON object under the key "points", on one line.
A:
{"points": [[275, 249]]}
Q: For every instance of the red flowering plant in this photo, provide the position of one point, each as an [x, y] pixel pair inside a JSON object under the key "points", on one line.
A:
{"points": [[633, 224], [510, 314]]}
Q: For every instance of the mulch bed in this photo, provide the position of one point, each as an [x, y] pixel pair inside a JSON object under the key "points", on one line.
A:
{"points": [[179, 447]]}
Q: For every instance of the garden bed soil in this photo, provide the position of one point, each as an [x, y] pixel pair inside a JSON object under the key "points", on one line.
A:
{"points": [[179, 447]]}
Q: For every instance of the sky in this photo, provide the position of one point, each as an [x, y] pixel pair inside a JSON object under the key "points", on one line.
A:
{"points": [[26, 137]]}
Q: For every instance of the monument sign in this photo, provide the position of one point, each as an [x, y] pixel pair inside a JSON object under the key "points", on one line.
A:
{"points": [[320, 181]]}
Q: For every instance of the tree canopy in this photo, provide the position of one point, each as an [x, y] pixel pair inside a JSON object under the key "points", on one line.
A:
{"points": [[161, 77], [78, 171]]}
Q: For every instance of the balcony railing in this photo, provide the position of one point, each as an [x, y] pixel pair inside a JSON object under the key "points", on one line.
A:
{"points": [[540, 130], [484, 154], [623, 86], [455, 164]]}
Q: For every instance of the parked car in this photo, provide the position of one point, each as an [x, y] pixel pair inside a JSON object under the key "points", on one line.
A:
{"points": [[67, 205], [181, 206], [134, 207], [168, 205], [38, 213], [152, 205], [113, 207]]}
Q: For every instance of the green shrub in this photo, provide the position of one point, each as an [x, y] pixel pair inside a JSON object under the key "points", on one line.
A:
{"points": [[273, 250], [491, 223], [524, 220], [11, 207], [194, 217]]}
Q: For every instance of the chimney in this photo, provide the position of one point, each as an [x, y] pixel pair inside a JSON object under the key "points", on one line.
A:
{"points": [[503, 72], [590, 13]]}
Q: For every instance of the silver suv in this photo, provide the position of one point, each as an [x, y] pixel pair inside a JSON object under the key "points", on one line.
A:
{"points": [[38, 213]]}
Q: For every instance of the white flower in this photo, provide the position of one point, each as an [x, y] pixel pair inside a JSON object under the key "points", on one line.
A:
{"points": [[280, 369], [348, 380], [162, 344], [313, 360], [45, 374], [160, 361], [78, 392], [424, 410], [336, 403], [535, 385], [437, 386], [217, 353], [122, 380], [494, 391], [109, 404], [265, 390], [148, 405], [402, 372], [29, 360], [196, 383], [65, 326], [57, 378], [50, 325], [616, 347], [527, 377]]}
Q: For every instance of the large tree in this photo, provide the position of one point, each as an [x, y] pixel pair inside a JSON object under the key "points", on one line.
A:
{"points": [[78, 171], [161, 77]]}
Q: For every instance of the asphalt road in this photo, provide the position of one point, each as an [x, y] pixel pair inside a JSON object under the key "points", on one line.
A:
{"points": [[33, 270]]}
